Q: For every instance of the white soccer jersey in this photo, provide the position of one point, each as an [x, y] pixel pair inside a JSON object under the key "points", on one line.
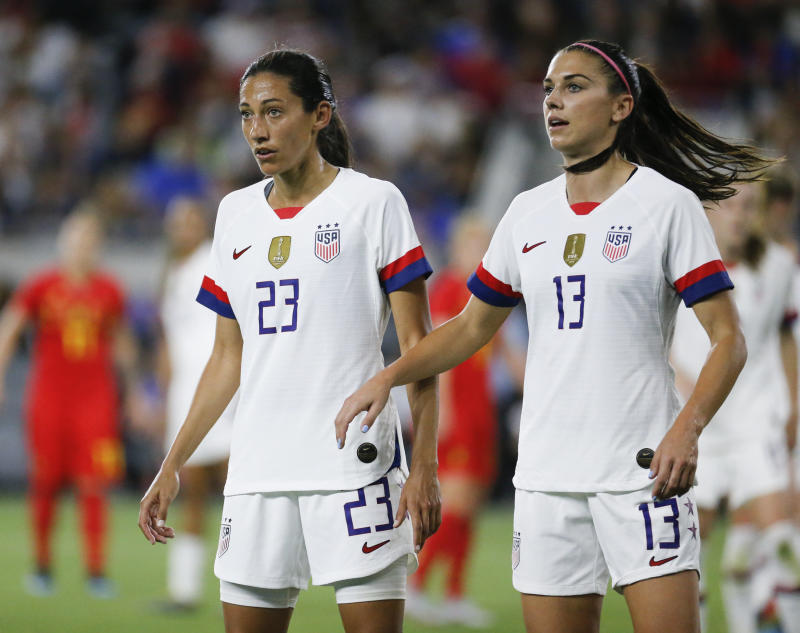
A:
{"points": [[189, 335], [309, 289], [601, 291], [758, 403]]}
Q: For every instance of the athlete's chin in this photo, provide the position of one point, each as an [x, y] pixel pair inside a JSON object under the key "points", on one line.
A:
{"points": [[268, 168]]}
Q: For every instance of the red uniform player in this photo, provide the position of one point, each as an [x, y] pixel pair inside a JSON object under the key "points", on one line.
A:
{"points": [[467, 449], [72, 403]]}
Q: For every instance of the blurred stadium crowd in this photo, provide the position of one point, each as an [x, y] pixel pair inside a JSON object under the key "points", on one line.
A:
{"points": [[127, 109]]}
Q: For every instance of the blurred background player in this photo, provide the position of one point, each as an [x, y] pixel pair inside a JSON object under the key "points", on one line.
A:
{"points": [[780, 212], [188, 336], [72, 409], [467, 442], [744, 453]]}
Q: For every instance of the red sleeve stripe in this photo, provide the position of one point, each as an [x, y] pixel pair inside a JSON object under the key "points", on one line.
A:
{"points": [[698, 274], [495, 284], [415, 254], [209, 285]]}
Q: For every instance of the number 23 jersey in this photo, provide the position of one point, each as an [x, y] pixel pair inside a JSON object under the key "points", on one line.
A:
{"points": [[601, 290], [309, 289]]}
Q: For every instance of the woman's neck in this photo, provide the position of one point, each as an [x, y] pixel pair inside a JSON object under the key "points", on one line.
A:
{"points": [[598, 185], [299, 186]]}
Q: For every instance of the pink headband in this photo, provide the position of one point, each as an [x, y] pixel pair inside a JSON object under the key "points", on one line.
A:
{"points": [[609, 60]]}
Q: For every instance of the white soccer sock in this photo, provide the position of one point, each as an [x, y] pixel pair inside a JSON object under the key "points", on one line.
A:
{"points": [[186, 563], [736, 589], [785, 537]]}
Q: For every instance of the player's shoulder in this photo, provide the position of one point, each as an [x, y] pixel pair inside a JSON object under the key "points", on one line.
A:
{"points": [[652, 189], [356, 185], [239, 200], [539, 199], [541, 195]]}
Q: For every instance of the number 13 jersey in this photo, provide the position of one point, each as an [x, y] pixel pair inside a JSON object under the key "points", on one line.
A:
{"points": [[309, 289], [601, 291]]}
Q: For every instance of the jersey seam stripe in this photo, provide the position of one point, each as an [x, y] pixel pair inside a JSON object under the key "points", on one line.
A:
{"points": [[419, 268], [698, 274], [390, 270], [205, 298], [706, 287], [494, 283], [489, 295], [210, 285]]}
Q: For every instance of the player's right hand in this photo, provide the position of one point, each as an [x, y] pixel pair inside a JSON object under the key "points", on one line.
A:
{"points": [[370, 397], [153, 507]]}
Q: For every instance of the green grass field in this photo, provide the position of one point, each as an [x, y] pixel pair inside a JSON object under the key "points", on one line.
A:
{"points": [[138, 569]]}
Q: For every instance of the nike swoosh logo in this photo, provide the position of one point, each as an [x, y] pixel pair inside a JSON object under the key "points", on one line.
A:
{"points": [[527, 248], [241, 252], [656, 563], [368, 549]]}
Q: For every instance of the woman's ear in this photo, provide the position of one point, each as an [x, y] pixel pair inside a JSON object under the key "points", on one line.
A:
{"points": [[323, 114], [623, 106]]}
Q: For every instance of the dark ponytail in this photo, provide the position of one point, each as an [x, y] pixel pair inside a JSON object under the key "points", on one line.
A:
{"points": [[658, 135], [309, 80]]}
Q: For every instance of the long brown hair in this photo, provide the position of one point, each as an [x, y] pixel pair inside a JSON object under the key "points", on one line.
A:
{"points": [[309, 80], [658, 135]]}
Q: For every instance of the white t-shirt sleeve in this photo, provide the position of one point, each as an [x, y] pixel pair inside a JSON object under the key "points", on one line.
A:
{"points": [[212, 292], [497, 279], [692, 262], [400, 255]]}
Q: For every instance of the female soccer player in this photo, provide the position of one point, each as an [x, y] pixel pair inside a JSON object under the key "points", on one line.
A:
{"points": [[72, 407], [755, 425], [188, 336], [602, 257], [305, 267]]}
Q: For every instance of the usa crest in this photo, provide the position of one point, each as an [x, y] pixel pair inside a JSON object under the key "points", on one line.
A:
{"points": [[224, 536], [327, 242], [618, 240], [573, 249], [279, 250]]}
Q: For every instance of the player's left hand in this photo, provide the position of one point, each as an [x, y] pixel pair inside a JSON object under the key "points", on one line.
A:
{"points": [[421, 500], [675, 461]]}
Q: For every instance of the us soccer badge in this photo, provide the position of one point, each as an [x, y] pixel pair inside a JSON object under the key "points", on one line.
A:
{"points": [[224, 536], [326, 242], [617, 242], [515, 547], [279, 250], [573, 249]]}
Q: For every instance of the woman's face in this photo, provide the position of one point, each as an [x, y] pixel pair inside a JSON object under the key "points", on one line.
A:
{"points": [[581, 116], [735, 218], [281, 134]]}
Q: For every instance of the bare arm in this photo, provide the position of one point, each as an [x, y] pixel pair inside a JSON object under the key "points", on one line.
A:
{"points": [[789, 360], [12, 324], [217, 385], [675, 460], [444, 348], [421, 497]]}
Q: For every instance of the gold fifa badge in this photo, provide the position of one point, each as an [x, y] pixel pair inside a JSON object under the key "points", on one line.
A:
{"points": [[573, 249], [279, 250]]}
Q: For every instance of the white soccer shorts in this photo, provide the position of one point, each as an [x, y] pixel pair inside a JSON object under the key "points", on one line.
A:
{"points": [[570, 544], [281, 540], [742, 471]]}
